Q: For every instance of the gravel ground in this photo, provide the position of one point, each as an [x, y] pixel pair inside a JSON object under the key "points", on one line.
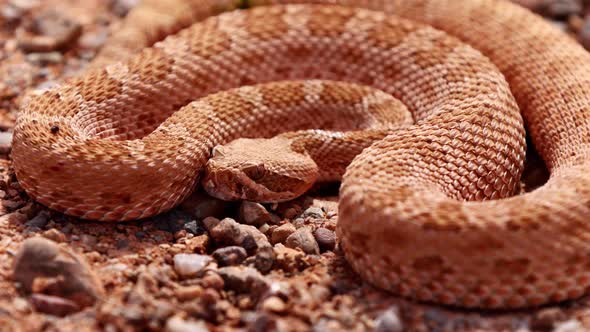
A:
{"points": [[207, 265]]}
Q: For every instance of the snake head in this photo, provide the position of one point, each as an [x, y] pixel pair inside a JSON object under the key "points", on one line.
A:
{"points": [[260, 170]]}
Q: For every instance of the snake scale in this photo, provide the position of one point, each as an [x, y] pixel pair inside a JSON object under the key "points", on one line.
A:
{"points": [[442, 90]]}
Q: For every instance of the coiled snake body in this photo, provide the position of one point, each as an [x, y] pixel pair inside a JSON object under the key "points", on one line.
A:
{"points": [[426, 212]]}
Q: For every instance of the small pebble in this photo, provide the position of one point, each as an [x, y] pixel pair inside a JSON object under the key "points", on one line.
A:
{"points": [[319, 293], [264, 228], [45, 58], [287, 259], [210, 223], [40, 259], [571, 325], [13, 218], [5, 142], [314, 213], [389, 321], [12, 205], [178, 324], [181, 234], [39, 221], [534, 5], [254, 214], [122, 7], [172, 221], [54, 235], [122, 244], [263, 322], [193, 227], [50, 31], [584, 34], [559, 9], [188, 293], [88, 240], [212, 280], [11, 13], [228, 256], [230, 232], [303, 239], [275, 219], [326, 324], [290, 213], [200, 206], [93, 40], [274, 304], [298, 222], [326, 239], [198, 244], [243, 279], [30, 210], [546, 319], [281, 233], [189, 265], [20, 304], [264, 259], [53, 305]]}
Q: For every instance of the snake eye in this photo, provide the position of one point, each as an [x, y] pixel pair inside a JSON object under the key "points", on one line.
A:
{"points": [[255, 172]]}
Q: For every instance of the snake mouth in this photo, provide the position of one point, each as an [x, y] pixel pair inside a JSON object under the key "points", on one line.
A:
{"points": [[220, 184], [244, 169], [234, 184], [230, 183]]}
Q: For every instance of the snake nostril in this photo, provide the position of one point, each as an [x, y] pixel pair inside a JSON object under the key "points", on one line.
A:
{"points": [[218, 151]]}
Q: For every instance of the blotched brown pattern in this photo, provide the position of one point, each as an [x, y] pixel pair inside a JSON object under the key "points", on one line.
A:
{"points": [[415, 211]]}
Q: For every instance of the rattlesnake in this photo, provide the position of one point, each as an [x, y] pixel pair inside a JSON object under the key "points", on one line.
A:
{"points": [[415, 211]]}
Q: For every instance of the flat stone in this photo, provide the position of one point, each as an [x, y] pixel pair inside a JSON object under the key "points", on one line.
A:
{"points": [[243, 279], [232, 255], [39, 221], [230, 232], [189, 265], [53, 305], [304, 240], [254, 214], [40, 261]]}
